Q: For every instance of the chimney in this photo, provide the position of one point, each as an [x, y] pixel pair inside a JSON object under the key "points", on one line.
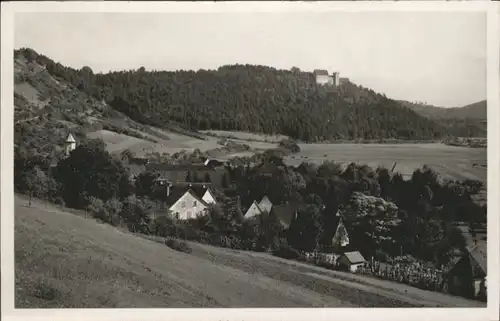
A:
{"points": [[168, 189], [238, 202]]}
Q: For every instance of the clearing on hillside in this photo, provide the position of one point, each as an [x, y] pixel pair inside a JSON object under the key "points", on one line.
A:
{"points": [[66, 261]]}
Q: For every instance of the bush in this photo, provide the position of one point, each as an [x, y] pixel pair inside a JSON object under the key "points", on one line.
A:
{"points": [[290, 145], [286, 252], [177, 245], [97, 208]]}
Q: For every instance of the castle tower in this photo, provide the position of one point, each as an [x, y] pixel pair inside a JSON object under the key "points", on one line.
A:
{"points": [[335, 78], [70, 144]]}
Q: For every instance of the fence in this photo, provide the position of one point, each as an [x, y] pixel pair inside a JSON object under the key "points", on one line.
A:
{"points": [[409, 273]]}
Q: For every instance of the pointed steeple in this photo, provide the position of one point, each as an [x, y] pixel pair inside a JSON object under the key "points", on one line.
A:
{"points": [[70, 139]]}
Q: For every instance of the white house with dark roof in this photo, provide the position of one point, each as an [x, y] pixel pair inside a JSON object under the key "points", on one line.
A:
{"points": [[189, 201]]}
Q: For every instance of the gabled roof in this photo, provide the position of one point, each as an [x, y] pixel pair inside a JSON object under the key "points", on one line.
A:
{"points": [[322, 72], [354, 257], [70, 139], [265, 204], [177, 192], [256, 205], [285, 213], [477, 253]]}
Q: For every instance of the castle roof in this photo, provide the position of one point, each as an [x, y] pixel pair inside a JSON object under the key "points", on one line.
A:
{"points": [[321, 72], [70, 139]]}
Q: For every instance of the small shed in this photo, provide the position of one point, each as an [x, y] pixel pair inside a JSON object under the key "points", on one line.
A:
{"points": [[351, 261]]}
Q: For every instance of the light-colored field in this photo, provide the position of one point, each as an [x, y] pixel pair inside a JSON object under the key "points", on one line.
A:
{"points": [[66, 261], [119, 142], [116, 143], [449, 161], [247, 136]]}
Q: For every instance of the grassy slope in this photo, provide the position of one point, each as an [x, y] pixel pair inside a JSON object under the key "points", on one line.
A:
{"points": [[63, 260]]}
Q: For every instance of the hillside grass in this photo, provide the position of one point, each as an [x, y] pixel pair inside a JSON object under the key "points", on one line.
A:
{"points": [[66, 261]]}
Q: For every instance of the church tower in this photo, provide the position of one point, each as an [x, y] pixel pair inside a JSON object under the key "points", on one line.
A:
{"points": [[70, 144]]}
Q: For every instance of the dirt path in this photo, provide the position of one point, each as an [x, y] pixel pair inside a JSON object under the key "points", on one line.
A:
{"points": [[86, 264]]}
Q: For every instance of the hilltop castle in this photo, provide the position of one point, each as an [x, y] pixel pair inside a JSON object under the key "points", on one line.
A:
{"points": [[323, 78]]}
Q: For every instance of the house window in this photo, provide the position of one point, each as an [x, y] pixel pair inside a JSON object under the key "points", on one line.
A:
{"points": [[195, 204], [183, 204]]}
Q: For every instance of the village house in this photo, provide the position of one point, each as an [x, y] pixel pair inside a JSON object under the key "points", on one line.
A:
{"points": [[351, 261], [179, 173], [187, 201], [195, 172], [265, 205], [467, 276], [253, 210]]}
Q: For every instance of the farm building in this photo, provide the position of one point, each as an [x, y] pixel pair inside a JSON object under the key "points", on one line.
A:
{"points": [[190, 172], [467, 277], [188, 201], [138, 160], [351, 261]]}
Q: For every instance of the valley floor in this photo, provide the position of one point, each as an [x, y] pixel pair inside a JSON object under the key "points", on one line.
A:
{"points": [[67, 261]]}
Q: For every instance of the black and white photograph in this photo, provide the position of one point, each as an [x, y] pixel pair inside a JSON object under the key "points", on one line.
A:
{"points": [[249, 159]]}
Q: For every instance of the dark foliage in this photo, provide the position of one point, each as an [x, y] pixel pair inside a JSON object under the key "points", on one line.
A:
{"points": [[90, 171]]}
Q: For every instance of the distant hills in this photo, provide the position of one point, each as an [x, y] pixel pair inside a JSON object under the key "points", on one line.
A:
{"points": [[473, 111], [466, 121], [234, 97]]}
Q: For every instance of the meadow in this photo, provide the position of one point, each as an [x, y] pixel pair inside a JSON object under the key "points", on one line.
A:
{"points": [[63, 260], [450, 162]]}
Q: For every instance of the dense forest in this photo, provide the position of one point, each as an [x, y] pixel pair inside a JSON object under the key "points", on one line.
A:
{"points": [[251, 98]]}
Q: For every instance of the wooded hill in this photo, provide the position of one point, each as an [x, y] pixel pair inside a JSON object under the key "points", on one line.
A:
{"points": [[250, 98], [466, 121]]}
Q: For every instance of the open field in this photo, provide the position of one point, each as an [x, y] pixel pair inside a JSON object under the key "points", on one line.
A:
{"points": [[64, 260], [449, 161], [116, 143]]}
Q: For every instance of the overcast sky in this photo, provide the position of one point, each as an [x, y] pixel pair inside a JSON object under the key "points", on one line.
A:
{"points": [[437, 57]]}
